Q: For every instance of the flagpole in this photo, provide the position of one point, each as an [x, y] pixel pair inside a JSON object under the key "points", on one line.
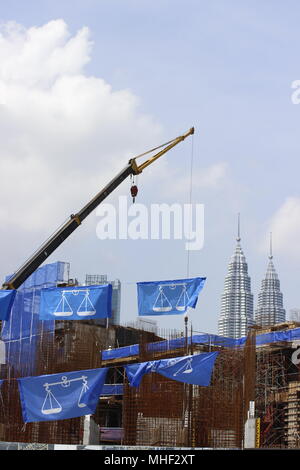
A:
{"points": [[186, 319], [190, 396], [185, 394]]}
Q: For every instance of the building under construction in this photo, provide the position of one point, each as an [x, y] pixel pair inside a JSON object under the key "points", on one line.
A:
{"points": [[253, 399]]}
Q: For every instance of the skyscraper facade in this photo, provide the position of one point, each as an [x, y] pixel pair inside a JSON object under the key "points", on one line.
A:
{"points": [[294, 314], [237, 300], [270, 309]]}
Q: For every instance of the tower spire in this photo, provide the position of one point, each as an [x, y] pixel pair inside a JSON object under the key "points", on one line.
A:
{"points": [[238, 238], [270, 308], [236, 314], [271, 249]]}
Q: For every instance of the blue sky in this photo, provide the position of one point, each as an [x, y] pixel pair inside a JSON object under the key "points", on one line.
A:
{"points": [[225, 67]]}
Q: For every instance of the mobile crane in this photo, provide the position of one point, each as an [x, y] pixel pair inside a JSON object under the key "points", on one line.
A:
{"points": [[132, 168]]}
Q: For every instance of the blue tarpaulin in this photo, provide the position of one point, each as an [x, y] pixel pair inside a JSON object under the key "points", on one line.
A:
{"points": [[112, 389], [7, 298], [76, 303], [119, 353], [61, 396], [209, 339], [21, 331], [195, 370], [168, 297]]}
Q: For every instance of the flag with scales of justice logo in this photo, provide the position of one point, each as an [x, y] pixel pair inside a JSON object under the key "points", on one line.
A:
{"points": [[194, 370], [61, 396], [76, 302], [168, 297]]}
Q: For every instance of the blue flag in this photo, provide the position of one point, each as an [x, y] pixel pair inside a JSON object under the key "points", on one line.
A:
{"points": [[76, 303], [61, 396], [168, 297], [195, 370], [7, 298]]}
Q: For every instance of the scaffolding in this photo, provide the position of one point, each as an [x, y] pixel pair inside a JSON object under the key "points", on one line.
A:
{"points": [[277, 395], [163, 412], [160, 412]]}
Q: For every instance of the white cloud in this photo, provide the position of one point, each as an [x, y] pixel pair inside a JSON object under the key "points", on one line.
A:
{"points": [[212, 177], [285, 228], [37, 56], [63, 134]]}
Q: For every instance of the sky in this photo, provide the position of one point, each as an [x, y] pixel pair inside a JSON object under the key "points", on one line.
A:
{"points": [[86, 85]]}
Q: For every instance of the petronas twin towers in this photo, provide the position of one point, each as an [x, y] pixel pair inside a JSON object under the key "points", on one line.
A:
{"points": [[237, 300]]}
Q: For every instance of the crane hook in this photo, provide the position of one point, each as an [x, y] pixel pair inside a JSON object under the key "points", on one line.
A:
{"points": [[134, 191]]}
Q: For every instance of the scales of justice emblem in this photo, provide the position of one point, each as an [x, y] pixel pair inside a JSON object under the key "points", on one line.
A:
{"points": [[51, 405], [186, 368], [163, 302], [86, 307]]}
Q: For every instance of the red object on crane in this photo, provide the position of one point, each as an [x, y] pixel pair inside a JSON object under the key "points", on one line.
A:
{"points": [[134, 191]]}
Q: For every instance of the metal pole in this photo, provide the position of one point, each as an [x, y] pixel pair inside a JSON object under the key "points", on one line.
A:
{"points": [[186, 319]]}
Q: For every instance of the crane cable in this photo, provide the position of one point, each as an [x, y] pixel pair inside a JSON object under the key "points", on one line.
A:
{"points": [[190, 203], [154, 149], [133, 180]]}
